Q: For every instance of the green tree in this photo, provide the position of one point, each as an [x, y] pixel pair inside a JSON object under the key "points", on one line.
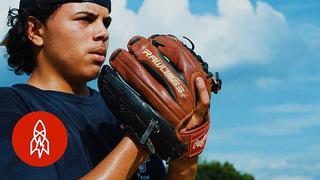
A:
{"points": [[216, 171]]}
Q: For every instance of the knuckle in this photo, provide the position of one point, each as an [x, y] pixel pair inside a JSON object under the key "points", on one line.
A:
{"points": [[206, 102]]}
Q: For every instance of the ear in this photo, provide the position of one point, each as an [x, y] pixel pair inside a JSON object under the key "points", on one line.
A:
{"points": [[35, 31]]}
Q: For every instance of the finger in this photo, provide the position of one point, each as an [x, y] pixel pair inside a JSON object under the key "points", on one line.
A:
{"points": [[202, 105], [193, 122], [204, 99]]}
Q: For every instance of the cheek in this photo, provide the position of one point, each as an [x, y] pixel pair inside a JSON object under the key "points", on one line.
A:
{"points": [[65, 46], [67, 49]]}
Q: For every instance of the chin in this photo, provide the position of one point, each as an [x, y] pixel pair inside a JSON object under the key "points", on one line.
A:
{"points": [[92, 74]]}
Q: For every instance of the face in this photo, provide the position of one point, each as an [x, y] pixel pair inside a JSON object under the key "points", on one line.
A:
{"points": [[75, 40]]}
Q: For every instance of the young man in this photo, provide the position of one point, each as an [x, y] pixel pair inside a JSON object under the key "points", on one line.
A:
{"points": [[62, 44]]}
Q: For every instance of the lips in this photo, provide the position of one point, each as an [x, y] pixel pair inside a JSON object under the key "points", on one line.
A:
{"points": [[99, 55]]}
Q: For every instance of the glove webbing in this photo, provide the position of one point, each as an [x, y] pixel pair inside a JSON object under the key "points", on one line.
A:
{"points": [[216, 85]]}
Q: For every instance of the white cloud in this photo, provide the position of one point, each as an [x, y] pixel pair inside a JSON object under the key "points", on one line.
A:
{"points": [[290, 108], [240, 33], [286, 177], [280, 127], [272, 83], [305, 78], [274, 166], [309, 34], [268, 83]]}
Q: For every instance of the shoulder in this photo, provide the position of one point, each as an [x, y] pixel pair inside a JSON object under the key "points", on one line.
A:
{"points": [[11, 110], [11, 101], [6, 91]]}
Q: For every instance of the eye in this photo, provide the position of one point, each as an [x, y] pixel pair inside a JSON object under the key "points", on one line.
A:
{"points": [[107, 21], [86, 19]]}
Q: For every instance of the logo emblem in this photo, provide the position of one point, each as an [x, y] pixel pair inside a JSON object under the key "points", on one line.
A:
{"points": [[200, 142], [143, 166], [39, 142], [39, 139], [165, 70]]}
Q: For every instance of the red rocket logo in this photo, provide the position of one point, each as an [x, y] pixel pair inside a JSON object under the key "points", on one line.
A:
{"points": [[39, 139], [39, 143]]}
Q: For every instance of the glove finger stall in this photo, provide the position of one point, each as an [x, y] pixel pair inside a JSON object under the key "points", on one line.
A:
{"points": [[184, 59], [148, 55], [143, 82]]}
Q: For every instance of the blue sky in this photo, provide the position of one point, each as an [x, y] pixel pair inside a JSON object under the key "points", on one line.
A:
{"points": [[266, 120]]}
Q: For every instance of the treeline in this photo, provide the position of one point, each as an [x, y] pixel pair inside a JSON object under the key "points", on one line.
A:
{"points": [[214, 170]]}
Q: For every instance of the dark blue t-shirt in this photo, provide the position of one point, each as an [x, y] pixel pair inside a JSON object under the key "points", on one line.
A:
{"points": [[92, 131]]}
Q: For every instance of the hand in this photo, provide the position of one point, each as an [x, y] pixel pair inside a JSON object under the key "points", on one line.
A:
{"points": [[183, 169], [202, 105], [187, 168]]}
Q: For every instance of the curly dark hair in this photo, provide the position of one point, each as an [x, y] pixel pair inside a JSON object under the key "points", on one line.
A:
{"points": [[19, 48]]}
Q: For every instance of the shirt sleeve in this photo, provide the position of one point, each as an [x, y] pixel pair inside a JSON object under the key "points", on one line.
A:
{"points": [[11, 167]]}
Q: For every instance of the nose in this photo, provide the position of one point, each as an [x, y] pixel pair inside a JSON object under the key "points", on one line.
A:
{"points": [[101, 33]]}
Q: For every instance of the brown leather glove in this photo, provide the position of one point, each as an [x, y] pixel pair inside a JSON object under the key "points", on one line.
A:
{"points": [[162, 71]]}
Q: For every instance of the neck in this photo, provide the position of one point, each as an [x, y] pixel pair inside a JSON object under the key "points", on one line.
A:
{"points": [[48, 80]]}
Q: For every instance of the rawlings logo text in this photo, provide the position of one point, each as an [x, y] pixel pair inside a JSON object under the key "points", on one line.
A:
{"points": [[166, 71], [199, 143]]}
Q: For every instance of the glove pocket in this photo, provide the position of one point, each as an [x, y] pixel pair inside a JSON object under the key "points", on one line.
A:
{"points": [[195, 139]]}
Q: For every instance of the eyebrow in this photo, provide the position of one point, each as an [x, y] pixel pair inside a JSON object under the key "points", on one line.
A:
{"points": [[93, 14]]}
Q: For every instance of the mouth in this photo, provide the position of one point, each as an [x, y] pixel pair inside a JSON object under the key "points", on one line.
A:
{"points": [[98, 56]]}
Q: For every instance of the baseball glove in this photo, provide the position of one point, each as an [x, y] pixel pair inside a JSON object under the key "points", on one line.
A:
{"points": [[151, 89]]}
